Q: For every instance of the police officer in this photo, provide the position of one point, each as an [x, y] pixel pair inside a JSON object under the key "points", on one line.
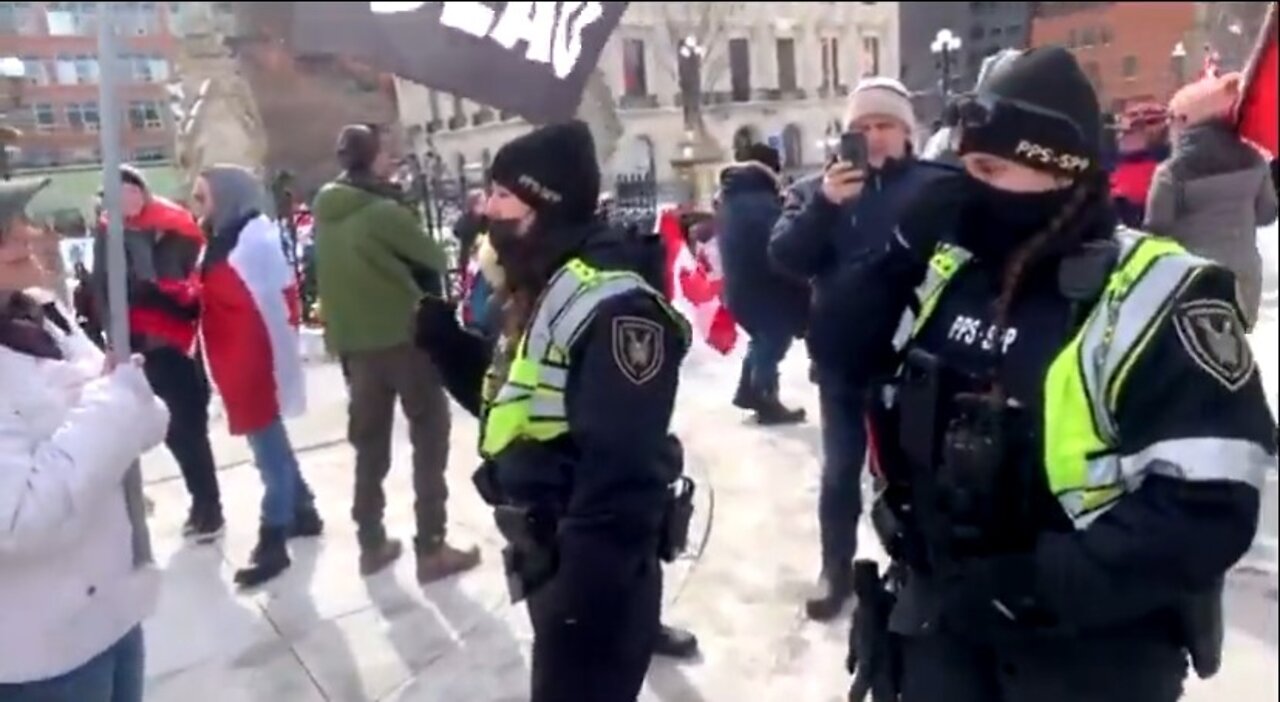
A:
{"points": [[576, 405], [1073, 445]]}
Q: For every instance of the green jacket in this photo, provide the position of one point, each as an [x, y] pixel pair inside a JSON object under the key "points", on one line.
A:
{"points": [[371, 258]]}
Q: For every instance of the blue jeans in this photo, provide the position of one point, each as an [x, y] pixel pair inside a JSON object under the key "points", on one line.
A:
{"points": [[285, 492], [765, 352], [115, 675], [844, 451]]}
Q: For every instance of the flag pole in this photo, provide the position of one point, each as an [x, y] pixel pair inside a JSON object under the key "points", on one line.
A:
{"points": [[110, 114]]}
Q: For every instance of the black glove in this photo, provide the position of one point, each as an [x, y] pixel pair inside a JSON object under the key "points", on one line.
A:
{"points": [[436, 319], [932, 214]]}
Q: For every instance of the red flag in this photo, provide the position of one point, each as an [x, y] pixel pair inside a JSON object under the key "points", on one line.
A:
{"points": [[1258, 119]]}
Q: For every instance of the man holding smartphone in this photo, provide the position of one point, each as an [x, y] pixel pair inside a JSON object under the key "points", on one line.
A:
{"points": [[830, 223]]}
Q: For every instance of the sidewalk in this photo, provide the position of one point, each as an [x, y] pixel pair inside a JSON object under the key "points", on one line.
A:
{"points": [[322, 634]]}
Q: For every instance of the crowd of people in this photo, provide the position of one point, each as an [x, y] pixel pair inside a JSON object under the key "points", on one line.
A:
{"points": [[1066, 423]]}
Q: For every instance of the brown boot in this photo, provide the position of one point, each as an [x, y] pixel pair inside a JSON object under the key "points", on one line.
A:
{"points": [[376, 557], [444, 561]]}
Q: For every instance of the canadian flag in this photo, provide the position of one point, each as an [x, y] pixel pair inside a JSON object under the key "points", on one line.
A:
{"points": [[694, 286], [1257, 118]]}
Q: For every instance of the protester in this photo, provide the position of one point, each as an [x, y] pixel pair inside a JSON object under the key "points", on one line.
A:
{"points": [[831, 222], [1216, 190], [1143, 143], [75, 575], [250, 336], [163, 243], [470, 226], [374, 262], [771, 306]]}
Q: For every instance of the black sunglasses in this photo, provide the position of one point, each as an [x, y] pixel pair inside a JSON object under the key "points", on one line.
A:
{"points": [[978, 110]]}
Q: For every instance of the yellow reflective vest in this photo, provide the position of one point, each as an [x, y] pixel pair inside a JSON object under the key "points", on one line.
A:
{"points": [[1085, 469], [529, 403]]}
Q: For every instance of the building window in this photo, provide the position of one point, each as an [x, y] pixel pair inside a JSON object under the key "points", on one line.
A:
{"points": [[635, 81], [740, 69], [71, 18], [1014, 32], [1106, 36], [977, 31], [786, 49], [139, 19], [149, 154], [18, 18], [144, 115], [36, 70], [1129, 67], [1088, 37], [65, 70], [86, 69], [871, 56], [433, 105], [830, 62], [44, 116], [140, 67]]}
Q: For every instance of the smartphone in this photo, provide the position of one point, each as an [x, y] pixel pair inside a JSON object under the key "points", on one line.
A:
{"points": [[853, 149]]}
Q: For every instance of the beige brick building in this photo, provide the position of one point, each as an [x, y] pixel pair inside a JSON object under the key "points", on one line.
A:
{"points": [[776, 72]]}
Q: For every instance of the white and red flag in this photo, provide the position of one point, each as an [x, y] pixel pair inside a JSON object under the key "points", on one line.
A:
{"points": [[694, 287]]}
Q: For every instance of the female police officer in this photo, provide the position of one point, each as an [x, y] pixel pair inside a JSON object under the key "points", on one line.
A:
{"points": [[575, 410], [1073, 444]]}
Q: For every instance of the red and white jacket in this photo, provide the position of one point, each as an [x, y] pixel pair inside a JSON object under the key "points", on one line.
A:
{"points": [[249, 325]]}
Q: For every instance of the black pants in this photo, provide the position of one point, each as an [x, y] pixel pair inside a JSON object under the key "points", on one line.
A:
{"points": [[594, 624], [180, 381], [1133, 667]]}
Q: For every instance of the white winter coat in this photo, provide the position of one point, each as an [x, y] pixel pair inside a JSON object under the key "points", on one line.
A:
{"points": [[68, 585]]}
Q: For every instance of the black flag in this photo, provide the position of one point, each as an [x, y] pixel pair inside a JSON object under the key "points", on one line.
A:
{"points": [[530, 58]]}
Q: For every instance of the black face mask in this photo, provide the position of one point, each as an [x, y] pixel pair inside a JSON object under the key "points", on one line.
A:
{"points": [[997, 222]]}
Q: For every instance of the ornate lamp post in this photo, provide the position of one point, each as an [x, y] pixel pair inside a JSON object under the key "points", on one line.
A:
{"points": [[698, 154], [945, 44]]}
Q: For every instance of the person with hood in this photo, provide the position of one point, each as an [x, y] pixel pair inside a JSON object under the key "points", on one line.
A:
{"points": [[575, 404], [770, 305], [163, 243], [1216, 190], [249, 330], [1072, 435], [373, 262], [76, 573], [829, 224]]}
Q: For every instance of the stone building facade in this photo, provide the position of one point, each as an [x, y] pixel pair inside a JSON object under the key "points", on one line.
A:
{"points": [[773, 72]]}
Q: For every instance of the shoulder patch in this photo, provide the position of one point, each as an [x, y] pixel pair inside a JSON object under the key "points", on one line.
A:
{"points": [[638, 348], [1213, 335]]}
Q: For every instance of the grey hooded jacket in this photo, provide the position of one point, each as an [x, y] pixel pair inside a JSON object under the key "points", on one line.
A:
{"points": [[1211, 196]]}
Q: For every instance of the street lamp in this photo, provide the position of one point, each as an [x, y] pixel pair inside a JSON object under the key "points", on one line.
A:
{"points": [[1179, 58], [945, 43], [691, 53]]}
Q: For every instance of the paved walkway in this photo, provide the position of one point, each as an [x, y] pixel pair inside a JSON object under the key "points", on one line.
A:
{"points": [[321, 633]]}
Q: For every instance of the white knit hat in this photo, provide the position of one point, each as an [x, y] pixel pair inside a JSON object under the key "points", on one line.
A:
{"points": [[882, 96]]}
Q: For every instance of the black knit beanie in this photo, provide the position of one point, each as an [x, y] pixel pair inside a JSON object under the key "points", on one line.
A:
{"points": [[763, 154], [1038, 109], [553, 170]]}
